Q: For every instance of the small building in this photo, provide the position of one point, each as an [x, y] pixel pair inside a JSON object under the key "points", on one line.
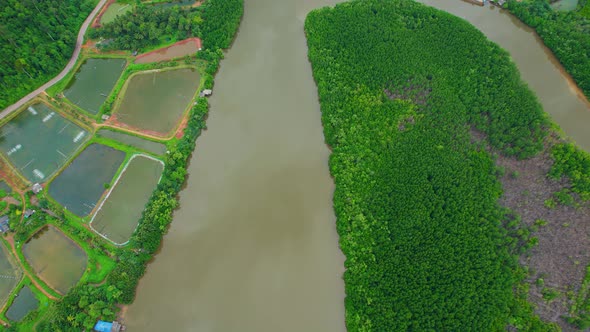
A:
{"points": [[102, 326], [206, 93], [105, 117], [4, 224], [29, 212], [37, 188]]}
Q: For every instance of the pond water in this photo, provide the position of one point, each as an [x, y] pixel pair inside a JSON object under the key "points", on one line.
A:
{"points": [[79, 187], [39, 141], [176, 3], [177, 50], [93, 83], [119, 214], [155, 101], [24, 303], [9, 274], [254, 241], [140, 143], [55, 258], [565, 5], [114, 10], [4, 186]]}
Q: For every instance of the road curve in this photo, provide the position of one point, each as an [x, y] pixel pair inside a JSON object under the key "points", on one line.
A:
{"points": [[8, 110]]}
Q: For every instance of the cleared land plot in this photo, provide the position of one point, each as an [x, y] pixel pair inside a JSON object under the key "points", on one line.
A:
{"points": [[24, 303], [79, 187], [119, 214], [58, 260], [156, 100], [182, 48], [39, 141], [140, 143], [93, 83], [9, 274], [114, 10]]}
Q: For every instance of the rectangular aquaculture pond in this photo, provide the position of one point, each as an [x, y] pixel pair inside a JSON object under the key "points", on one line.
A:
{"points": [[9, 274], [93, 83], [114, 10], [117, 216], [24, 303], [39, 141], [55, 258], [155, 101], [4, 186], [182, 3], [140, 143], [79, 187]]}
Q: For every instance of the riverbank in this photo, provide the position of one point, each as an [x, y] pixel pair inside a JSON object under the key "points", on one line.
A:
{"points": [[404, 159], [110, 268], [558, 28]]}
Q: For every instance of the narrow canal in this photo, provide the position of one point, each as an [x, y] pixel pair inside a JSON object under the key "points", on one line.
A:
{"points": [[253, 246]]}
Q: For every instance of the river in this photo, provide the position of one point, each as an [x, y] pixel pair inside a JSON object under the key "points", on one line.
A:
{"points": [[253, 247]]}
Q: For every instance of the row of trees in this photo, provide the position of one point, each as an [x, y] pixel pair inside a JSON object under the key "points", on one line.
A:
{"points": [[86, 303], [402, 86], [37, 39], [148, 26], [567, 34]]}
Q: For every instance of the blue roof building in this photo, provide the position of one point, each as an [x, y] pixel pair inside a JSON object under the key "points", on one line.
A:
{"points": [[102, 326], [4, 224]]}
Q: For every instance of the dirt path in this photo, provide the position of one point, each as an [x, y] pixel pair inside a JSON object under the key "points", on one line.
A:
{"points": [[8, 110]]}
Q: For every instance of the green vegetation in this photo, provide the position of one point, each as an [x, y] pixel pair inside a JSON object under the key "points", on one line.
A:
{"points": [[567, 34], [37, 39], [427, 246], [573, 163], [149, 26], [220, 19], [87, 302]]}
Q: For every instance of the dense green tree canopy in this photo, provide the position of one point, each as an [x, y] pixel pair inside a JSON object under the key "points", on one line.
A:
{"points": [[149, 26], [37, 39], [567, 34], [403, 88]]}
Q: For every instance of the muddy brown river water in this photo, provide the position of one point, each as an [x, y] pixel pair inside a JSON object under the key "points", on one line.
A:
{"points": [[253, 247]]}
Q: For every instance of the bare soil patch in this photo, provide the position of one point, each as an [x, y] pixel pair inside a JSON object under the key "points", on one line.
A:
{"points": [[561, 256]]}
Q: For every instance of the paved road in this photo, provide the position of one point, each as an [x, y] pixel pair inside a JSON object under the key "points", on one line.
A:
{"points": [[64, 72]]}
